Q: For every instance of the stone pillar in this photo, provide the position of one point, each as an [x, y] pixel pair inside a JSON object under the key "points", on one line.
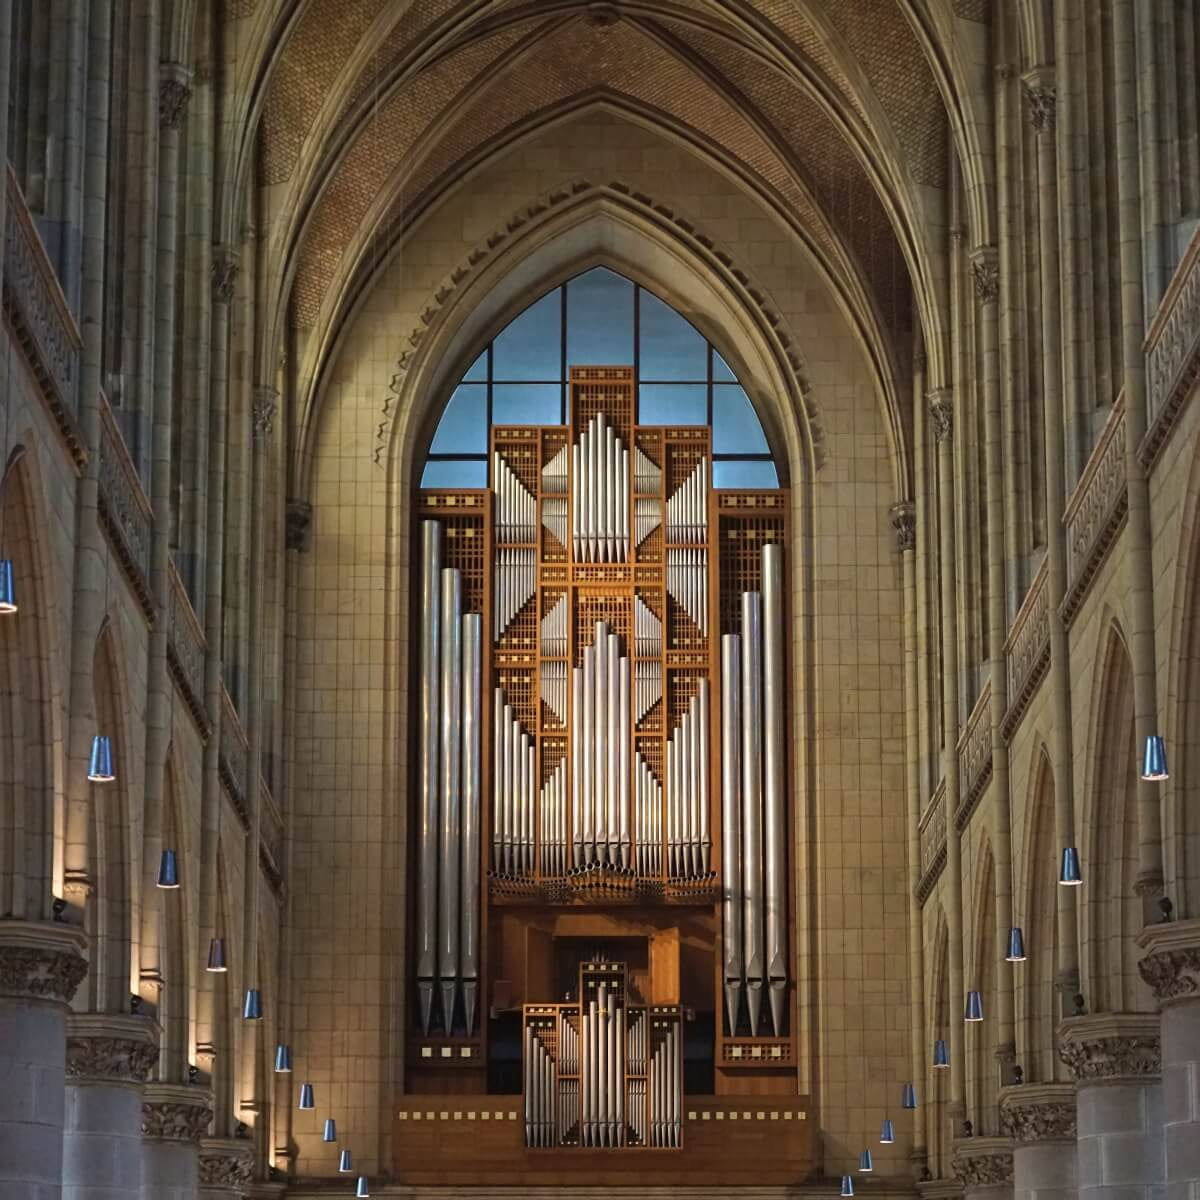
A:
{"points": [[174, 1118], [1040, 1120], [1115, 1061], [226, 1168], [109, 1058], [984, 1167], [41, 965], [1172, 969]]}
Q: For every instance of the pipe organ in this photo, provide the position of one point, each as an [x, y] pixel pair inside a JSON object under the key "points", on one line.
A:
{"points": [[602, 753]]}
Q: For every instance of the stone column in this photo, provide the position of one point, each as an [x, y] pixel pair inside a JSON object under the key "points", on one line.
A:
{"points": [[174, 1118], [1172, 969], [984, 1167], [1040, 1120], [1115, 1061], [41, 965], [226, 1168], [109, 1058]]}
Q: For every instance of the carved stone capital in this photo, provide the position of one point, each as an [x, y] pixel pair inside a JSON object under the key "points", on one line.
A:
{"points": [[1038, 1112], [225, 268], [41, 960], [299, 518], [1171, 969], [112, 1048], [174, 92], [941, 413], [175, 1112], [983, 1162], [266, 401], [1111, 1046], [1041, 98], [985, 273], [904, 522], [226, 1163]]}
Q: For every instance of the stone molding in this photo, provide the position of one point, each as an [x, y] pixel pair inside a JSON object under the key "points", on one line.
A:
{"points": [[1111, 1047], [941, 413], [112, 1048], [1172, 968], [226, 1163], [904, 522], [174, 1112], [41, 960], [983, 1162], [1038, 1112]]}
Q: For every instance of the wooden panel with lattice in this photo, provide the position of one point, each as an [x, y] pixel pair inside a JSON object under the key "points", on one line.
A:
{"points": [[465, 547], [742, 535], [607, 390]]}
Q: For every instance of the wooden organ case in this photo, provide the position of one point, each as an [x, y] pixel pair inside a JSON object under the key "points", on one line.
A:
{"points": [[601, 951]]}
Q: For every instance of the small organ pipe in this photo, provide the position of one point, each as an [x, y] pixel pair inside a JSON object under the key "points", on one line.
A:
{"points": [[472, 673], [752, 834], [623, 763], [451, 798], [587, 757], [430, 778], [577, 760], [612, 747], [702, 722], [774, 751], [731, 824]]}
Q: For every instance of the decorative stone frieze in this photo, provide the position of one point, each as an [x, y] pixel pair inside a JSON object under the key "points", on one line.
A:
{"points": [[941, 413], [111, 1048], [983, 1162], [40, 960], [1172, 968], [1111, 1046], [1038, 1112], [175, 1112], [904, 522], [226, 1163]]}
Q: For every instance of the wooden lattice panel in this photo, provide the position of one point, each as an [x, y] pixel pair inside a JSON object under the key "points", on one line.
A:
{"points": [[520, 690], [742, 537], [465, 547], [602, 389], [592, 606], [518, 445]]}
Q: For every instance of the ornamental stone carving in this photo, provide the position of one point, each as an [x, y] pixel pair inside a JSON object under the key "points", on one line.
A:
{"points": [[941, 413], [173, 95], [225, 267], [985, 272], [41, 961], [175, 1112], [225, 1163], [266, 400], [117, 1049], [1041, 100], [1111, 1046], [1172, 968], [299, 518], [904, 522], [983, 1162], [1038, 1112]]}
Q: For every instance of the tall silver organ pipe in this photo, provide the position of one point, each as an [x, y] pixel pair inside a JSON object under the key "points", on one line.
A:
{"points": [[472, 784], [666, 1082], [688, 821], [515, 584], [554, 629], [687, 581], [752, 832], [601, 750], [647, 517], [451, 800], [687, 509], [553, 818], [430, 779], [554, 689], [514, 790], [774, 754], [515, 505], [648, 803], [731, 823], [600, 494], [554, 500], [647, 474]]}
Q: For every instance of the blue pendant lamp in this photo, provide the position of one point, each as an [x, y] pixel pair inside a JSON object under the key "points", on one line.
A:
{"points": [[908, 1097], [1069, 875], [1154, 762], [1016, 945], [941, 1057], [216, 956], [252, 1009], [362, 1188], [847, 1186], [283, 1059], [887, 1135], [100, 764], [168, 871], [8, 591], [307, 1100], [974, 1007], [864, 1161], [345, 1163], [330, 1134]]}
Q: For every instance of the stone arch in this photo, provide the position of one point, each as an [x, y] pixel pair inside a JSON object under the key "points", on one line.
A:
{"points": [[113, 858], [978, 1041], [1111, 911], [30, 773]]}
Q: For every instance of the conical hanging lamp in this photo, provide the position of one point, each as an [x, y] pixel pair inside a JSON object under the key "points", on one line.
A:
{"points": [[283, 1059], [941, 1057], [865, 1162], [1016, 945], [252, 1010], [330, 1134], [345, 1163], [1069, 875], [974, 1011], [847, 1186], [887, 1135], [1154, 761], [307, 1100], [8, 590], [216, 956], [168, 871], [100, 764], [362, 1188]]}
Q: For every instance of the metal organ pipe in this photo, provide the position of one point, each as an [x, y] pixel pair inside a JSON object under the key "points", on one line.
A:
{"points": [[731, 823], [752, 832], [451, 798], [472, 781], [774, 828], [600, 491], [689, 830], [430, 780]]}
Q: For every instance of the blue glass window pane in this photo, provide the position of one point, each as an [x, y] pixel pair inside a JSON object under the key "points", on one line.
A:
{"points": [[531, 347], [527, 404], [736, 427], [463, 427], [672, 404], [477, 371], [599, 320], [455, 473], [670, 347], [751, 473], [721, 371]]}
